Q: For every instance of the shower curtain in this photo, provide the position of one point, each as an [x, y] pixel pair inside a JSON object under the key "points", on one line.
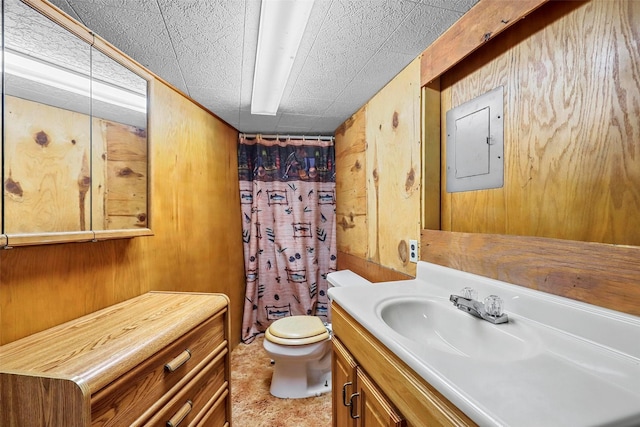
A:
{"points": [[287, 196]]}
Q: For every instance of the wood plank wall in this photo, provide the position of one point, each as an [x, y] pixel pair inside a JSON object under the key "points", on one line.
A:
{"points": [[572, 134], [480, 24], [597, 273], [351, 186], [378, 178], [197, 244]]}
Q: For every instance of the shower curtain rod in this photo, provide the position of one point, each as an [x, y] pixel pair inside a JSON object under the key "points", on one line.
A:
{"points": [[278, 136]]}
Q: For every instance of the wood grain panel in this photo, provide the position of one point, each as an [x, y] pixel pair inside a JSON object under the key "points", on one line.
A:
{"points": [[46, 164], [480, 24], [127, 177], [394, 170], [596, 273], [99, 148], [351, 194], [572, 138]]}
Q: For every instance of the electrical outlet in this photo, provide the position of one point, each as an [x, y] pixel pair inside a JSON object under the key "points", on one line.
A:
{"points": [[413, 250]]}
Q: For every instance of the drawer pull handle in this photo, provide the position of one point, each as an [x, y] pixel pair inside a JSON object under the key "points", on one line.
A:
{"points": [[351, 406], [178, 361], [179, 416], [344, 393]]}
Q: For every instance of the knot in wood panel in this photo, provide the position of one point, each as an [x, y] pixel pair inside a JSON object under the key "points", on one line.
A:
{"points": [[395, 120], [403, 251], [84, 182], [345, 224], [127, 171], [13, 187], [411, 179], [41, 138]]}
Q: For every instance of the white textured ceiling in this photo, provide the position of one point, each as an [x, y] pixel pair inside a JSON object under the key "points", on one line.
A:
{"points": [[206, 48]]}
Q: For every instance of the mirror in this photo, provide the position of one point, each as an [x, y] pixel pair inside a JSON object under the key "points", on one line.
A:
{"points": [[119, 109], [74, 147]]}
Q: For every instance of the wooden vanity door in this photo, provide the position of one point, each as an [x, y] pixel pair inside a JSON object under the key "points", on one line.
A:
{"points": [[374, 408], [343, 380]]}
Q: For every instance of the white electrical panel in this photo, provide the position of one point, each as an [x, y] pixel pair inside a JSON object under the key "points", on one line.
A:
{"points": [[475, 147]]}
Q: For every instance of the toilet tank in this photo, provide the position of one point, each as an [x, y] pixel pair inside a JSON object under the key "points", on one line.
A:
{"points": [[345, 278]]}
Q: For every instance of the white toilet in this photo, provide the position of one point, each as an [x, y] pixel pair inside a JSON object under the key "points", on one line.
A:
{"points": [[300, 346]]}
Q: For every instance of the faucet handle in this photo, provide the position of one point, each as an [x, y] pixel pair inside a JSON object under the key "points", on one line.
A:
{"points": [[469, 293], [493, 305]]}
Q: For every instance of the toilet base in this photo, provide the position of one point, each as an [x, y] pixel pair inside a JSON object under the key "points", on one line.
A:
{"points": [[294, 380]]}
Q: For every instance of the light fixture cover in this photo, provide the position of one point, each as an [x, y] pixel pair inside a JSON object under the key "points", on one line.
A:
{"points": [[282, 24], [35, 70]]}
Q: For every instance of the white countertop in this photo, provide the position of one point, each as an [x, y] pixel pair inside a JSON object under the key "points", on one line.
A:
{"points": [[581, 366]]}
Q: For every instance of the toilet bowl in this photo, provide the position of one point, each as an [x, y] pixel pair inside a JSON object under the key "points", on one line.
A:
{"points": [[300, 347]]}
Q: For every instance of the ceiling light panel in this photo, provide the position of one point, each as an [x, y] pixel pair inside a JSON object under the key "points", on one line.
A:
{"points": [[282, 24]]}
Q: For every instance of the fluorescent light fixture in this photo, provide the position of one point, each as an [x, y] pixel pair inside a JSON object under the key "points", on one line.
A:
{"points": [[42, 72], [282, 23]]}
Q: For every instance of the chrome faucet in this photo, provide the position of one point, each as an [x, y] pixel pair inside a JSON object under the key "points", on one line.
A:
{"points": [[490, 310]]}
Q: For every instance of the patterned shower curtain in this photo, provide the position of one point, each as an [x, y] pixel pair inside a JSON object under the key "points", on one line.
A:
{"points": [[287, 195]]}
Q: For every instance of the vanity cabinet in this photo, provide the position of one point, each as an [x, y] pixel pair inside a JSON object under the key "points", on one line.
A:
{"points": [[343, 381], [382, 385], [366, 406], [159, 359]]}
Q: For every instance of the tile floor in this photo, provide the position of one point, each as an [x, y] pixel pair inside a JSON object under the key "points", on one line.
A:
{"points": [[253, 406]]}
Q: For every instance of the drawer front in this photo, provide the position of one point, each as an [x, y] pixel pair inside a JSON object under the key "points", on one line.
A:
{"points": [[198, 397], [127, 398], [217, 416]]}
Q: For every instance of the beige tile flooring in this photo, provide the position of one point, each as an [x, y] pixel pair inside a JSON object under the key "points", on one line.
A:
{"points": [[253, 406]]}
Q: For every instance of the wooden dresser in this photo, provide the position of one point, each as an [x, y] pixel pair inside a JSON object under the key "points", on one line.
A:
{"points": [[158, 359]]}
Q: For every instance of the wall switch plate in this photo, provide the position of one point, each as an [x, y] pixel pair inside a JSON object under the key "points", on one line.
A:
{"points": [[413, 250]]}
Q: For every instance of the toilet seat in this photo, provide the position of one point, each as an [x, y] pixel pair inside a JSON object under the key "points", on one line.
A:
{"points": [[297, 330]]}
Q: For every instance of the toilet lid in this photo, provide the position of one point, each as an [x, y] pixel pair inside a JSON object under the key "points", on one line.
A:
{"points": [[297, 330]]}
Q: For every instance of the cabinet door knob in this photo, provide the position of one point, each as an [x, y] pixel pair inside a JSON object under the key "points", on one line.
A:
{"points": [[344, 393], [351, 405], [178, 361], [179, 416]]}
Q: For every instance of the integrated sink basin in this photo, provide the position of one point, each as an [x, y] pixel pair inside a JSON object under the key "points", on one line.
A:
{"points": [[556, 362], [438, 324]]}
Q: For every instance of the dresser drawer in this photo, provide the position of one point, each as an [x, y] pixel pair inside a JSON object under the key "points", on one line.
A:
{"points": [[216, 416], [131, 395], [195, 400]]}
